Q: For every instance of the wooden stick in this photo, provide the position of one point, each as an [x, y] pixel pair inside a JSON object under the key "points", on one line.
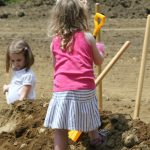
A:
{"points": [[112, 62], [99, 68], [142, 69]]}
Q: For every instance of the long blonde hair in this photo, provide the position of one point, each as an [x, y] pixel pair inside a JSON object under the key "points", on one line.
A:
{"points": [[68, 16], [18, 46]]}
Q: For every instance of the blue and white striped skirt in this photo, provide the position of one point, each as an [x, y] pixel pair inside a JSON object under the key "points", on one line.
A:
{"points": [[73, 110]]}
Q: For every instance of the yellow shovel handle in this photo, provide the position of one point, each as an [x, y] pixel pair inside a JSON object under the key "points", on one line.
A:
{"points": [[97, 24]]}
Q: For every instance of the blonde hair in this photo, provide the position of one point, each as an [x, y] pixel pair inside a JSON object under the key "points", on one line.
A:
{"points": [[68, 16], [20, 46]]}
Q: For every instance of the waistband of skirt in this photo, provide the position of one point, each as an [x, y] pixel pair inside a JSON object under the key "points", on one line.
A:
{"points": [[80, 95]]}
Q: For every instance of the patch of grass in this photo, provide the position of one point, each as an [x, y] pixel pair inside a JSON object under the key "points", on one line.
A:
{"points": [[12, 1]]}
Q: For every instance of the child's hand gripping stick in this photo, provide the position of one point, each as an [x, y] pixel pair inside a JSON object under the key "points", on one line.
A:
{"points": [[101, 48]]}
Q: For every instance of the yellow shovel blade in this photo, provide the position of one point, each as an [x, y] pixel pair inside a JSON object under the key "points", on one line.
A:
{"points": [[74, 135]]}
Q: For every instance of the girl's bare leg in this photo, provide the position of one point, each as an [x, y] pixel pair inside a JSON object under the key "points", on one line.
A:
{"points": [[60, 139]]}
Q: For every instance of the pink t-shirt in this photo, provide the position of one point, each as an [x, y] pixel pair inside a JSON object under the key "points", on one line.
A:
{"points": [[73, 70]]}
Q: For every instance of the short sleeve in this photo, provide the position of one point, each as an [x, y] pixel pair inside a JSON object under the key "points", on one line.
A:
{"points": [[28, 79]]}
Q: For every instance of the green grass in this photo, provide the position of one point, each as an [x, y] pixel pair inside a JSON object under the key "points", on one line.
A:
{"points": [[12, 1]]}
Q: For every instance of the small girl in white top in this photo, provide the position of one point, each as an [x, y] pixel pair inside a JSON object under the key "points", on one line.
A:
{"points": [[20, 58]]}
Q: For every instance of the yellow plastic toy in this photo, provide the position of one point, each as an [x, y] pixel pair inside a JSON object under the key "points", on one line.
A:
{"points": [[97, 24], [73, 134]]}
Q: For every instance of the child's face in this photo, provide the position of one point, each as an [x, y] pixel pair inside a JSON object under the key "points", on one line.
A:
{"points": [[17, 61]]}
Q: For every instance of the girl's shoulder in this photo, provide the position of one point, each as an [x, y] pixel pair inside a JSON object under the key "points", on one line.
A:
{"points": [[89, 37], [28, 76], [28, 72]]}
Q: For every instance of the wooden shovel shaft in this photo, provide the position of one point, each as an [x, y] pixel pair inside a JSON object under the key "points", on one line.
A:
{"points": [[112, 62], [142, 69]]}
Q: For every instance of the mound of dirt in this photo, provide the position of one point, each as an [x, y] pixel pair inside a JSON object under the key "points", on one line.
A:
{"points": [[125, 8], [111, 9], [23, 129], [38, 2], [21, 125]]}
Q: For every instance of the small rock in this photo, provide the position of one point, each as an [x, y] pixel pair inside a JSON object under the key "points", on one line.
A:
{"points": [[130, 124], [72, 147], [23, 145], [124, 148], [45, 104], [41, 130], [29, 117], [144, 146], [130, 140], [16, 143]]}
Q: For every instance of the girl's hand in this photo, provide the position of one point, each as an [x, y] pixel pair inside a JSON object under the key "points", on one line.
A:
{"points": [[101, 48], [5, 88]]}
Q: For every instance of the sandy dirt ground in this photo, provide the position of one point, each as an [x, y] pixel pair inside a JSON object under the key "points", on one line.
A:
{"points": [[21, 125]]}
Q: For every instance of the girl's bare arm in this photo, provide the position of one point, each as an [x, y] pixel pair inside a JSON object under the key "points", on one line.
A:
{"points": [[5, 88], [24, 92], [98, 58]]}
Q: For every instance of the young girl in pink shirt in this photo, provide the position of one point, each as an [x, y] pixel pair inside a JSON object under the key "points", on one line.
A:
{"points": [[74, 103]]}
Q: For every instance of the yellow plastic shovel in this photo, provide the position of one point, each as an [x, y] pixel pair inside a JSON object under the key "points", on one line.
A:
{"points": [[97, 24], [74, 134]]}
